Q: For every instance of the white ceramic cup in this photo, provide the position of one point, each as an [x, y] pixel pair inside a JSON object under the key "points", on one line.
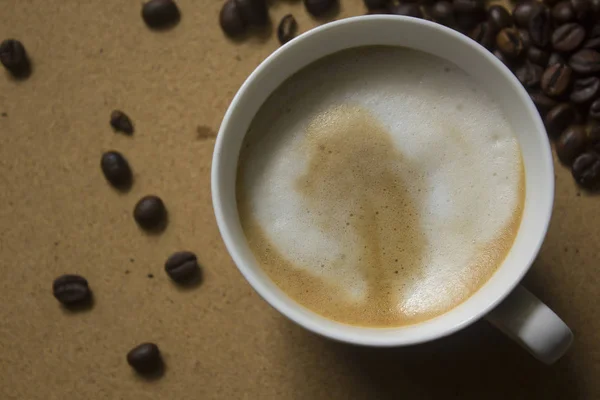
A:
{"points": [[501, 300]]}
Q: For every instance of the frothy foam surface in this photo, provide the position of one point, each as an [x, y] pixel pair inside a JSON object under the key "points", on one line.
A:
{"points": [[380, 186]]}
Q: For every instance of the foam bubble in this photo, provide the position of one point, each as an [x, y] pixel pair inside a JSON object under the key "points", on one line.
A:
{"points": [[380, 186]]}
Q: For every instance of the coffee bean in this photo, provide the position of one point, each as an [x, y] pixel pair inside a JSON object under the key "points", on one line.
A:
{"points": [[586, 170], [406, 9], [525, 39], [182, 266], [120, 122], [542, 102], [287, 29], [160, 13], [523, 11], [550, 3], [563, 13], [568, 37], [582, 9], [116, 169], [556, 58], [594, 111], [319, 7], [509, 42], [585, 62], [442, 12], [71, 289], [585, 90], [571, 143], [529, 74], [505, 60], [376, 4], [14, 57], [145, 358], [484, 34], [468, 13], [150, 212], [231, 20], [253, 12], [556, 79], [540, 26], [559, 118], [538, 56], [499, 17]]}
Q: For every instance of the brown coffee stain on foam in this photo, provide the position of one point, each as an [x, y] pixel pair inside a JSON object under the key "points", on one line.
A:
{"points": [[353, 183]]}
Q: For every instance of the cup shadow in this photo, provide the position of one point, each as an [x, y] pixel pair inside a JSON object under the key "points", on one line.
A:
{"points": [[476, 363]]}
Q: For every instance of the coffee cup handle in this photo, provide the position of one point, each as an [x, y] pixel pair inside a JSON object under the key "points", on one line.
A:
{"points": [[533, 325]]}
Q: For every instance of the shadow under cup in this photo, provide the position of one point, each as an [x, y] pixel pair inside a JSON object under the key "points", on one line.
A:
{"points": [[485, 69]]}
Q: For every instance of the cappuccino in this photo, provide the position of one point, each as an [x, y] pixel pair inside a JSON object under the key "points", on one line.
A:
{"points": [[380, 186]]}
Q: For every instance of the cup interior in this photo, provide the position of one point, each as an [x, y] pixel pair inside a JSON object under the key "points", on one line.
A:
{"points": [[427, 37]]}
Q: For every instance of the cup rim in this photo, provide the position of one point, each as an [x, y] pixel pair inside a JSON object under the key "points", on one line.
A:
{"points": [[315, 326]]}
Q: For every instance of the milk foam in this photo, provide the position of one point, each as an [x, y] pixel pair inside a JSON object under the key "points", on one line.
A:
{"points": [[452, 162]]}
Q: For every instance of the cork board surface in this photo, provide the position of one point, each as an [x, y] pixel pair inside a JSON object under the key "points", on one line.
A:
{"points": [[219, 340]]}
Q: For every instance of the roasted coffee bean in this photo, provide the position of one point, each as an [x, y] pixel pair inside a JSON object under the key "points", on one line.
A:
{"points": [[550, 3], [586, 170], [376, 4], [442, 12], [559, 118], [484, 34], [468, 13], [594, 111], [407, 9], [150, 212], [571, 143], [319, 7], [71, 289], [593, 41], [523, 11], [120, 122], [556, 79], [116, 169], [556, 58], [540, 26], [582, 9], [542, 102], [568, 37], [160, 13], [231, 20], [182, 266], [287, 29], [14, 57], [509, 42], [585, 62], [254, 12], [585, 90], [563, 13], [529, 74], [145, 358], [525, 38], [499, 17], [538, 56]]}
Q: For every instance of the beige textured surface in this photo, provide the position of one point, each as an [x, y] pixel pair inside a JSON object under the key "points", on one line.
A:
{"points": [[220, 341]]}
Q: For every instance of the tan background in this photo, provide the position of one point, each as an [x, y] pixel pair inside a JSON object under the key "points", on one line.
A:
{"points": [[220, 340]]}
